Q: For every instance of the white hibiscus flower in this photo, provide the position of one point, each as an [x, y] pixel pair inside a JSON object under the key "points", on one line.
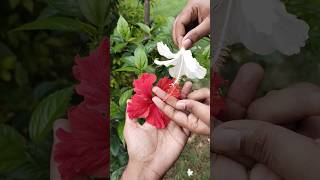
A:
{"points": [[182, 63]]}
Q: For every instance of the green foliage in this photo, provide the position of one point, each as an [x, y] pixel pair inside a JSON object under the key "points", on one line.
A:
{"points": [[38, 42], [48, 110], [12, 145]]}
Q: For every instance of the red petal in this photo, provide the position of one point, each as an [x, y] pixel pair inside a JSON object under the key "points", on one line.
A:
{"points": [[92, 72], [167, 85], [144, 84], [157, 118], [84, 149], [139, 106]]}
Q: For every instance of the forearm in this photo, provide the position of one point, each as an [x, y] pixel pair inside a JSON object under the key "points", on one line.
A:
{"points": [[139, 171]]}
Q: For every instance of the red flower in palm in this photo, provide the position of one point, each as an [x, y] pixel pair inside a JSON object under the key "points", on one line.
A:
{"points": [[142, 106], [92, 72], [84, 150]]}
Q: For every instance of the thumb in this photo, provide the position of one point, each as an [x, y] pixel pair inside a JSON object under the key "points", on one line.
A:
{"points": [[287, 153], [196, 34]]}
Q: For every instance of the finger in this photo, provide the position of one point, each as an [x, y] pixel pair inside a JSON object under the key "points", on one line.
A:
{"points": [[186, 89], [200, 110], [285, 152], [226, 169], [164, 96], [260, 172], [287, 105], [189, 122], [200, 31], [182, 21], [200, 94], [247, 82], [310, 127], [130, 122]]}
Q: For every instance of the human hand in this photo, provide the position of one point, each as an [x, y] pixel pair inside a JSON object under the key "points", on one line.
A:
{"points": [[196, 11], [280, 153], [188, 113], [152, 151]]}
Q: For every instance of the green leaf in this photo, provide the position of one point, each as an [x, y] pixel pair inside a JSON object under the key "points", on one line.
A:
{"points": [[118, 47], [67, 7], [48, 110], [114, 145], [123, 28], [124, 97], [95, 10], [120, 129], [59, 24], [144, 28], [12, 146], [141, 60], [114, 109], [117, 173], [128, 69]]}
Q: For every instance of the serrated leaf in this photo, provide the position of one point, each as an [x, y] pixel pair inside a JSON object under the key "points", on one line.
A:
{"points": [[141, 60], [123, 28], [144, 28], [48, 110], [94, 10], [120, 129], [59, 24], [118, 47], [12, 147], [124, 97]]}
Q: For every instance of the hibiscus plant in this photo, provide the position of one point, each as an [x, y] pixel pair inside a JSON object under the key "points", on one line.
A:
{"points": [[133, 52]]}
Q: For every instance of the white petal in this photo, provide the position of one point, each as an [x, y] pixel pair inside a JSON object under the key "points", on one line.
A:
{"points": [[263, 26], [166, 63], [164, 50]]}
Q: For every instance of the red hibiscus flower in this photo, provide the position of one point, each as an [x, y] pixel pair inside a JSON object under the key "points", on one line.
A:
{"points": [[142, 106], [83, 151], [218, 102], [92, 72]]}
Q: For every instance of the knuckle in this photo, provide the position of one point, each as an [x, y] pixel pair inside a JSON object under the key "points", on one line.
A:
{"points": [[193, 123], [258, 144]]}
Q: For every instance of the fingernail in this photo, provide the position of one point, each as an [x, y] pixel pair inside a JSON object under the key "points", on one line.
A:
{"points": [[156, 100], [181, 105], [186, 43], [226, 140], [155, 89]]}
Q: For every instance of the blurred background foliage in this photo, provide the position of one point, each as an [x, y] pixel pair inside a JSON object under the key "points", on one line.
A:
{"points": [[38, 42]]}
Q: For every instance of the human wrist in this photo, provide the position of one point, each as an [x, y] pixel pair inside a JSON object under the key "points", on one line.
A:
{"points": [[137, 170]]}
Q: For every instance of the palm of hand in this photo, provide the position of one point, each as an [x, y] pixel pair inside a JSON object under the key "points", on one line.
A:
{"points": [[158, 149]]}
